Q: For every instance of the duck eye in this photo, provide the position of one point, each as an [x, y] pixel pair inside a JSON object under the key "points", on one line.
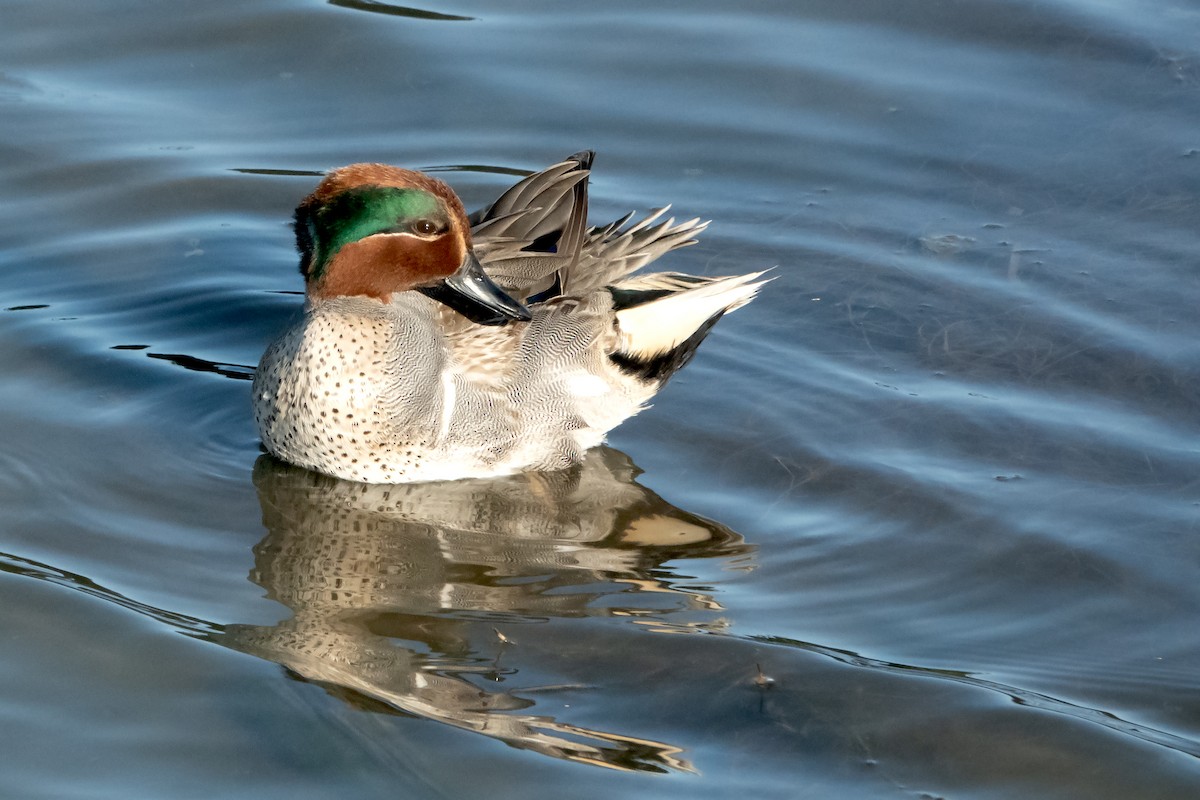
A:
{"points": [[425, 227]]}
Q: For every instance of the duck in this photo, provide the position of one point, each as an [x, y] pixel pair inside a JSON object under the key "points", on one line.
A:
{"points": [[440, 345]]}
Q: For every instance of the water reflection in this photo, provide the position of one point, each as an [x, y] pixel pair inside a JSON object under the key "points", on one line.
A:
{"points": [[398, 593]]}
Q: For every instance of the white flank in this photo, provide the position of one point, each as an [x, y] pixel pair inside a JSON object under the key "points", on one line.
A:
{"points": [[661, 325], [449, 396], [583, 384]]}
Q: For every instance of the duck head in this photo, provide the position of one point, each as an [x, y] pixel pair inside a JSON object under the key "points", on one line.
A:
{"points": [[373, 230]]}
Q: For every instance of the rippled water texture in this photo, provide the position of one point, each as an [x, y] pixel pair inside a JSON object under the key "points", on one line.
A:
{"points": [[922, 521]]}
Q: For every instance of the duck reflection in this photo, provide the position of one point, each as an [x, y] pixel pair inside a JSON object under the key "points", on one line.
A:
{"points": [[398, 593]]}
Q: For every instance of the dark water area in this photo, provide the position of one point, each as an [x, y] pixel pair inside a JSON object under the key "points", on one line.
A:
{"points": [[921, 521]]}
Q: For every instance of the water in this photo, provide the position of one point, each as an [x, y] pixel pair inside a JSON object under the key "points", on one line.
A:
{"points": [[922, 521]]}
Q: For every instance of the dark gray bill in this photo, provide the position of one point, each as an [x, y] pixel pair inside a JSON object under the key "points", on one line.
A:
{"points": [[473, 294]]}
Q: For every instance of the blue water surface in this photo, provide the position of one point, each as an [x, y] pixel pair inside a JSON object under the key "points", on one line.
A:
{"points": [[922, 521]]}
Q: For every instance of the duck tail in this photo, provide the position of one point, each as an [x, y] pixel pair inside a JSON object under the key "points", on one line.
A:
{"points": [[661, 319]]}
